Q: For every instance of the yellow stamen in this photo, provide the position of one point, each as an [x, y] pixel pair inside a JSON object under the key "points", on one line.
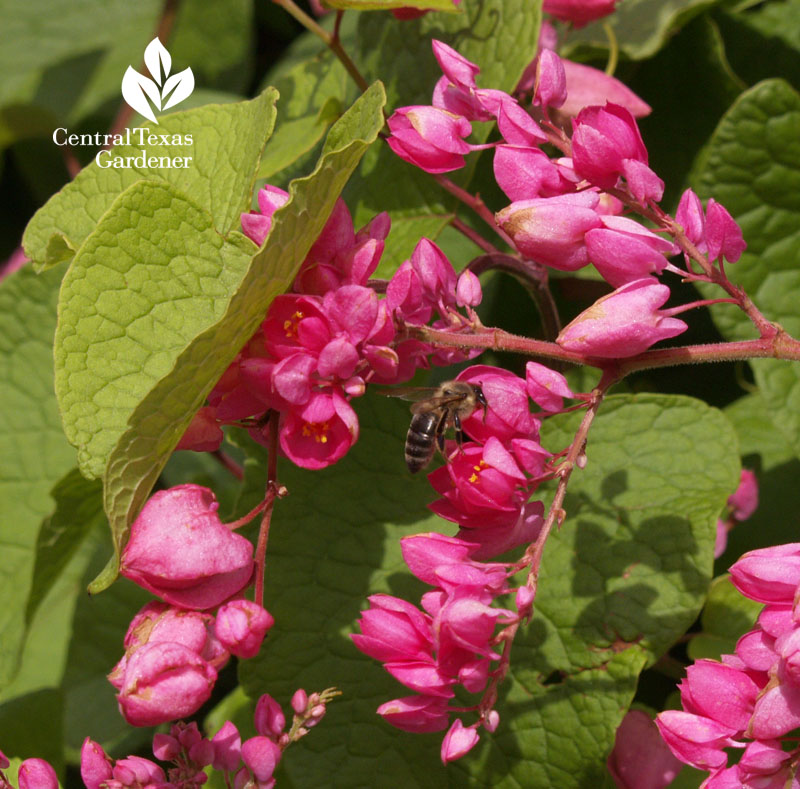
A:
{"points": [[318, 430]]}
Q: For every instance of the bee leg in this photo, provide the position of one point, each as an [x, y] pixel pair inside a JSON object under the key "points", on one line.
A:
{"points": [[440, 429], [459, 431]]}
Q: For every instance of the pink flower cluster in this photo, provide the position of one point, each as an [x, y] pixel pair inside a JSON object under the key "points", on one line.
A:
{"points": [[750, 700], [244, 765], [563, 212], [485, 488], [449, 642], [180, 550], [487, 484], [319, 346]]}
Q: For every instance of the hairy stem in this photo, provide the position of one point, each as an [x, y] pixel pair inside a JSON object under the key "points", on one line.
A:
{"points": [[273, 491], [331, 40]]}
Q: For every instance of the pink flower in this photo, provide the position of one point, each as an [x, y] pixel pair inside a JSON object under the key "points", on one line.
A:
{"points": [[37, 774], [180, 550], [95, 764], [723, 235], [744, 500], [135, 771], [241, 626], [719, 692], [430, 138], [551, 230], [640, 758], [269, 718], [508, 415], [393, 630], [525, 173], [163, 682], [550, 86], [320, 432], [623, 323], [579, 12], [458, 741], [622, 250], [546, 387], [606, 144], [261, 755], [203, 434], [256, 225], [416, 713], [769, 575], [696, 740]]}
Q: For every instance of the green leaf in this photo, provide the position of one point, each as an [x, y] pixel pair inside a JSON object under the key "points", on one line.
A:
{"points": [[641, 27], [727, 616], [154, 424], [227, 143], [42, 740], [153, 275], [752, 166], [79, 511], [386, 5], [313, 91], [639, 536], [757, 433], [621, 581], [498, 35], [33, 451]]}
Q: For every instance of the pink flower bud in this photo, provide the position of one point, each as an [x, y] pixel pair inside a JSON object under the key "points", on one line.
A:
{"points": [[416, 713], [623, 250], [546, 387], [257, 225], [776, 713], [769, 575], [269, 718], [579, 12], [744, 501], [623, 323], [523, 598], [604, 138], [227, 748], [429, 137], [691, 218], [136, 771], [694, 739], [455, 66], [458, 741], [551, 230], [165, 747], [180, 550], [393, 629], [241, 626], [719, 692], [37, 774], [517, 126], [95, 764], [492, 721], [525, 173], [164, 682], [640, 757], [723, 235], [261, 755], [468, 289], [551, 80], [203, 434], [299, 701]]}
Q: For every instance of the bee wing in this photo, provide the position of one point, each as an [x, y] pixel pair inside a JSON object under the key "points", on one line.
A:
{"points": [[433, 403], [411, 393]]}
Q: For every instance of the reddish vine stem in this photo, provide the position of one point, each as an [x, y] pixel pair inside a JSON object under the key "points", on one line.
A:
{"points": [[331, 40], [165, 24], [779, 346], [228, 463], [273, 491], [533, 556], [532, 277]]}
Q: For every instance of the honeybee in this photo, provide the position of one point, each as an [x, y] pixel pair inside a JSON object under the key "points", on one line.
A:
{"points": [[447, 406]]}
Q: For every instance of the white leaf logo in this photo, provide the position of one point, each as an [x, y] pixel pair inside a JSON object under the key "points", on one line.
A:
{"points": [[162, 91]]}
